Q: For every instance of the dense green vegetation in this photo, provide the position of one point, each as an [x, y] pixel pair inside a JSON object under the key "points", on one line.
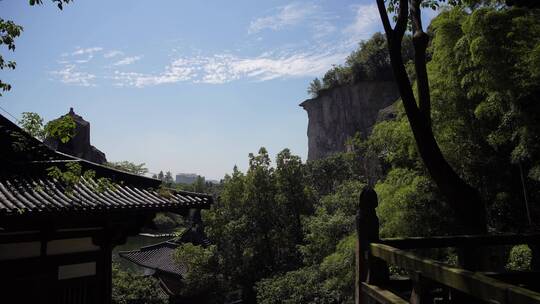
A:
{"points": [[369, 62], [128, 166], [131, 289], [62, 129], [284, 233]]}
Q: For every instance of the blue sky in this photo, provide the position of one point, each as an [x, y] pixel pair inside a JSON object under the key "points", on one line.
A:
{"points": [[185, 86]]}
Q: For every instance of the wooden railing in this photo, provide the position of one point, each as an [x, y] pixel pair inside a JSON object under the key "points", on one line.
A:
{"points": [[431, 281]]}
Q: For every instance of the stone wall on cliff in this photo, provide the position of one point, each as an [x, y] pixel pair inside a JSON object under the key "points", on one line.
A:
{"points": [[338, 113]]}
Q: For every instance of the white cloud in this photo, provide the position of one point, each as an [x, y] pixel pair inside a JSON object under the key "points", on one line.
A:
{"points": [[91, 50], [70, 75], [225, 68], [179, 70], [113, 53], [290, 14], [90, 56], [365, 23], [128, 60], [323, 29]]}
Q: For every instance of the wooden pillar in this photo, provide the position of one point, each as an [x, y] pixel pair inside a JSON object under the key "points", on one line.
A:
{"points": [[104, 273], [111, 235], [107, 272], [535, 257], [420, 289], [368, 269]]}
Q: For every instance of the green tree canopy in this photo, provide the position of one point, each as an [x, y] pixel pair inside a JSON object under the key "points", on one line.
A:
{"points": [[130, 167]]}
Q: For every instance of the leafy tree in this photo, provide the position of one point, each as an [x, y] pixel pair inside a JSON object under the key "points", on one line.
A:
{"points": [[371, 61], [327, 274], [199, 185], [314, 87], [168, 178], [519, 259], [130, 167], [9, 31], [485, 108], [463, 198], [326, 174], [201, 265], [292, 195], [166, 221], [73, 175], [59, 3], [297, 286], [393, 143], [255, 223], [338, 271], [32, 123], [332, 281], [333, 219], [410, 205], [130, 289], [62, 128]]}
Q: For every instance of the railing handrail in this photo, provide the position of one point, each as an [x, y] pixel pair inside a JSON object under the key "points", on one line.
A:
{"points": [[374, 254], [471, 283], [462, 240]]}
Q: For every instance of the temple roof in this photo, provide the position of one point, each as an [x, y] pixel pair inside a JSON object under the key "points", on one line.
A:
{"points": [[42, 196], [27, 189], [159, 257]]}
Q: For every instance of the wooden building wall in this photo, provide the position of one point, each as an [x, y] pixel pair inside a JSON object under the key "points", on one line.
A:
{"points": [[64, 266]]}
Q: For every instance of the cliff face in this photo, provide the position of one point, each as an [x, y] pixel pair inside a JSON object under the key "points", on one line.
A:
{"points": [[337, 114], [79, 145]]}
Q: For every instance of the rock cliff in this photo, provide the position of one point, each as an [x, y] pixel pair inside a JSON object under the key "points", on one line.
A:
{"points": [[79, 145], [338, 113]]}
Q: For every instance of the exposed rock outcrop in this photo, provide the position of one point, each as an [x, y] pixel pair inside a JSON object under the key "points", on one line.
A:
{"points": [[79, 145], [338, 113]]}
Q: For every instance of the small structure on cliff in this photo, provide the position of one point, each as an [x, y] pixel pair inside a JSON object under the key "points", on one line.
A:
{"points": [[339, 113], [78, 146]]}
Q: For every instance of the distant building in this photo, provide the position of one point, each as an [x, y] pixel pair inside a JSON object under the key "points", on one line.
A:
{"points": [[186, 178]]}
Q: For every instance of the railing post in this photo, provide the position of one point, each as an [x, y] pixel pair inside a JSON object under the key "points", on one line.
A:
{"points": [[535, 256], [420, 289], [368, 269]]}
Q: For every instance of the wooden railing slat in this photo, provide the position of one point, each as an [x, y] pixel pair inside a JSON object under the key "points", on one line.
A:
{"points": [[462, 241], [382, 295], [475, 284]]}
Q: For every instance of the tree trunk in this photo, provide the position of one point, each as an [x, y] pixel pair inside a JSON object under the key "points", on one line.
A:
{"points": [[464, 199]]}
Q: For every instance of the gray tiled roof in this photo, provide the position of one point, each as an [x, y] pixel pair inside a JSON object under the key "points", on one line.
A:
{"points": [[23, 195], [26, 188], [159, 257]]}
